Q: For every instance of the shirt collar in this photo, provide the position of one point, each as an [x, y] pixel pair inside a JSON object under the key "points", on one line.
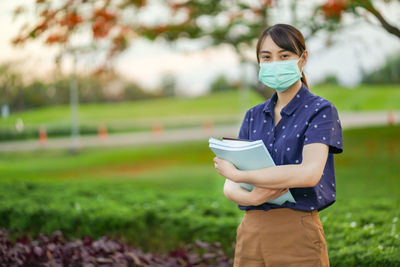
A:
{"points": [[291, 106]]}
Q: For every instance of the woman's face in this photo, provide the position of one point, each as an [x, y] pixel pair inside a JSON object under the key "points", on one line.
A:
{"points": [[270, 51]]}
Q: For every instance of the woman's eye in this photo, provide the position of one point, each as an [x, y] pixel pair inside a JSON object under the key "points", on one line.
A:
{"points": [[285, 56]]}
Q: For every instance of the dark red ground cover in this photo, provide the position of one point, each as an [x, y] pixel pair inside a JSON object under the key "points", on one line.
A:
{"points": [[56, 250]]}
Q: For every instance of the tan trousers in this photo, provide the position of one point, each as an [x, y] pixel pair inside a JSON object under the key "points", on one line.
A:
{"points": [[280, 238]]}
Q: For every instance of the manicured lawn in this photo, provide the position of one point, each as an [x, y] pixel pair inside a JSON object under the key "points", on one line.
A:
{"points": [[176, 109], [182, 110], [362, 97]]}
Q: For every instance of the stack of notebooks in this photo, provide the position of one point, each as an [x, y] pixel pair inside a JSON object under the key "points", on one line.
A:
{"points": [[247, 155]]}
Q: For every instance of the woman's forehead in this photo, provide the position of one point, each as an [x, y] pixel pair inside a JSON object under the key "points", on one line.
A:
{"points": [[268, 45]]}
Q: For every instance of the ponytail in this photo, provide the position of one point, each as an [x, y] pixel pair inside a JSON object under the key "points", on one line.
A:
{"points": [[304, 80]]}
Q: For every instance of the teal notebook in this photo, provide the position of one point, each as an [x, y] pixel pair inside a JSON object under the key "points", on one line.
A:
{"points": [[247, 155]]}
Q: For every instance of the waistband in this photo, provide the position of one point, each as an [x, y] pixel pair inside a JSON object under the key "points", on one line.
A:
{"points": [[276, 217]]}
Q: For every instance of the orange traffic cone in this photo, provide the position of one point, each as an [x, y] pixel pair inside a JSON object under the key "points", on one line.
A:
{"points": [[208, 127], [42, 136], [102, 133], [390, 117], [157, 130]]}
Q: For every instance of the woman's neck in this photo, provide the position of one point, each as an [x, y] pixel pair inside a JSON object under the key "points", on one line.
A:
{"points": [[287, 95]]}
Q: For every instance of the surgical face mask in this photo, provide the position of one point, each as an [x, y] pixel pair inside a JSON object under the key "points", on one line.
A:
{"points": [[279, 75]]}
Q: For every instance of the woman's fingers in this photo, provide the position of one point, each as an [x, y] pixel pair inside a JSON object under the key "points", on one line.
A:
{"points": [[271, 190], [261, 194], [280, 192], [215, 162]]}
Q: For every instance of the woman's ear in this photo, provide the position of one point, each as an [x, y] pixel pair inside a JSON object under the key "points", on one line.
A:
{"points": [[303, 60]]}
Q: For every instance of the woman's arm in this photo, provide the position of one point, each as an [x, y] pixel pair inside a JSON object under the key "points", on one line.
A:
{"points": [[306, 174], [257, 196], [235, 193]]}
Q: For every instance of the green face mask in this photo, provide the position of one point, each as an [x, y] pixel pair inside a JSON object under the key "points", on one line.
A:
{"points": [[279, 75]]}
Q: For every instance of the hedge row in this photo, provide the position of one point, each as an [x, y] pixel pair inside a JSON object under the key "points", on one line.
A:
{"points": [[359, 233]]}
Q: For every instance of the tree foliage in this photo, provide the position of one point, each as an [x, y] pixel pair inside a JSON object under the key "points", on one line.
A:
{"points": [[112, 25], [387, 74], [220, 84], [331, 13], [22, 95]]}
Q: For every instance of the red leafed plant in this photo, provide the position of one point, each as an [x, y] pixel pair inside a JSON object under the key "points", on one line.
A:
{"points": [[55, 250]]}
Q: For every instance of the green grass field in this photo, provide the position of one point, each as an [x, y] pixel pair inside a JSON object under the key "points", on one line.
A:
{"points": [[364, 97], [160, 197], [135, 112]]}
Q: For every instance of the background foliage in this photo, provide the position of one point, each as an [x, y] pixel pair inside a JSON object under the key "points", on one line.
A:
{"points": [[163, 197]]}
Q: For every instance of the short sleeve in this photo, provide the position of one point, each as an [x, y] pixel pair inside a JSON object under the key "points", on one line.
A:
{"points": [[325, 127], [244, 129]]}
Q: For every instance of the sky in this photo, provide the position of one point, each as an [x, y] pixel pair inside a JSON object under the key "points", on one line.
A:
{"points": [[364, 46]]}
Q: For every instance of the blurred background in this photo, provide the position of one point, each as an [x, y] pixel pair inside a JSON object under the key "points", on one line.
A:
{"points": [[107, 107]]}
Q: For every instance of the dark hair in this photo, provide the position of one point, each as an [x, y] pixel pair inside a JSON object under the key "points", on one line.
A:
{"points": [[286, 37]]}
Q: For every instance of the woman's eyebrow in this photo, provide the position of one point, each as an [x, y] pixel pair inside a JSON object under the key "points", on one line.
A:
{"points": [[268, 52]]}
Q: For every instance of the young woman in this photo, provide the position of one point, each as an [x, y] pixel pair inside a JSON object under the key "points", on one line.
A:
{"points": [[301, 131]]}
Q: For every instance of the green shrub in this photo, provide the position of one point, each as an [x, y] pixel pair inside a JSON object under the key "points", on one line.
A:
{"points": [[178, 198]]}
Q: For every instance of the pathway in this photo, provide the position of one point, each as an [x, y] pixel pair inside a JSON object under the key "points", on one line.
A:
{"points": [[348, 120]]}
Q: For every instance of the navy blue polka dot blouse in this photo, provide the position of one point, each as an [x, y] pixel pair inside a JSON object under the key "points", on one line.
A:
{"points": [[306, 119]]}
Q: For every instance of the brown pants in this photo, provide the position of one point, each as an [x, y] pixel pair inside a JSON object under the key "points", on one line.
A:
{"points": [[280, 237]]}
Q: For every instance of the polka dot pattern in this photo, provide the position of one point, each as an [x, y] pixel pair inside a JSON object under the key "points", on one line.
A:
{"points": [[306, 119]]}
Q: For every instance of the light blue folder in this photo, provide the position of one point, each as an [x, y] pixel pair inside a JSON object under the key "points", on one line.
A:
{"points": [[247, 155]]}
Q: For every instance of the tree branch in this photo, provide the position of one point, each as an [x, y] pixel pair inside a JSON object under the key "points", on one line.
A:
{"points": [[386, 25]]}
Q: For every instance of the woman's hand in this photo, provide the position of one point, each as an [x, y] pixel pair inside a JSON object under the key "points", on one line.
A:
{"points": [[226, 169], [260, 195]]}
